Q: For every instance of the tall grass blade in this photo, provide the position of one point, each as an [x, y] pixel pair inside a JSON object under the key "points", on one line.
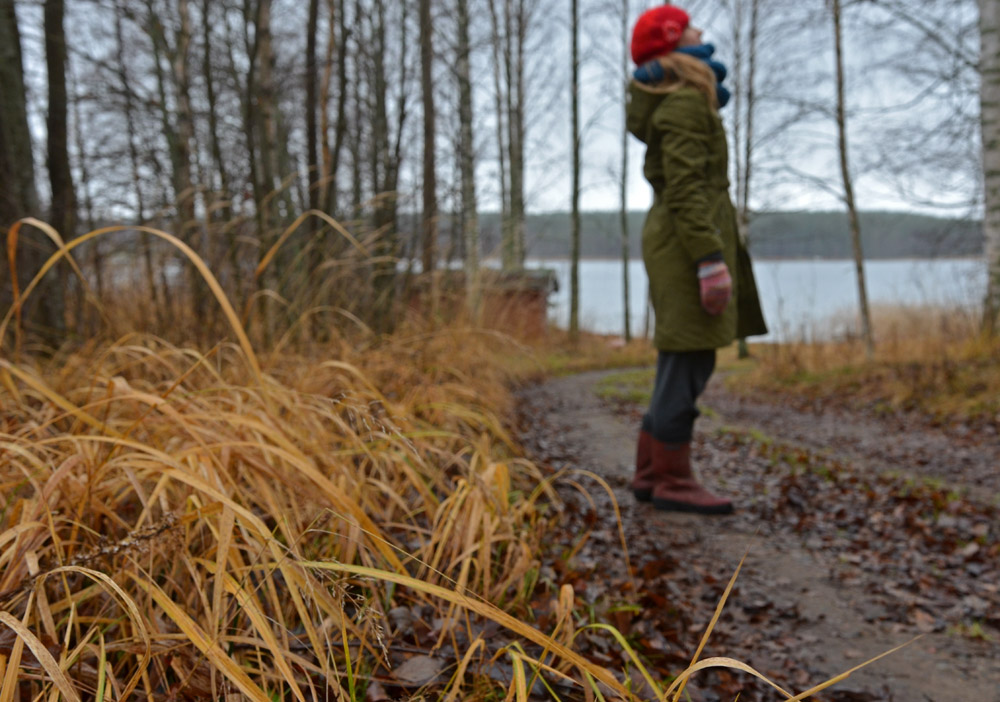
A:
{"points": [[130, 605], [456, 679], [56, 399], [102, 663], [715, 619], [252, 609], [196, 635], [653, 685], [334, 224], [847, 673], [484, 609], [722, 662], [199, 264], [42, 655]]}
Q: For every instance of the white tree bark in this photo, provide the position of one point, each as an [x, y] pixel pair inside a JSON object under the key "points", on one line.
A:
{"points": [[989, 31], [623, 182], [574, 271], [852, 209], [467, 157]]}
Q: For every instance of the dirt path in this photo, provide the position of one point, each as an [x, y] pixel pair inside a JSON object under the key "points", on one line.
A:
{"points": [[847, 558], [958, 456]]}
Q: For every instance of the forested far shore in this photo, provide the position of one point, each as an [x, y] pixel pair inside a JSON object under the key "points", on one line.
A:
{"points": [[773, 235]]}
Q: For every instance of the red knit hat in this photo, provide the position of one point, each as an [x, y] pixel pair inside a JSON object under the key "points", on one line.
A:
{"points": [[657, 32]]}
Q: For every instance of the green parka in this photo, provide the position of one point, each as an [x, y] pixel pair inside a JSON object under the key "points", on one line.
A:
{"points": [[692, 217]]}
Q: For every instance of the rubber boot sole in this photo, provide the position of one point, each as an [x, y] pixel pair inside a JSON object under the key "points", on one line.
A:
{"points": [[643, 495], [676, 506]]}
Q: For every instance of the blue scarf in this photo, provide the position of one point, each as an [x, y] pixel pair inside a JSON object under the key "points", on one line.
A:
{"points": [[652, 71]]}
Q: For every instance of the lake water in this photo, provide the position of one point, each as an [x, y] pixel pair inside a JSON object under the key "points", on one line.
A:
{"points": [[813, 299]]}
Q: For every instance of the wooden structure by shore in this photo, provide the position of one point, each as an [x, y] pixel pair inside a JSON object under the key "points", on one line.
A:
{"points": [[514, 302]]}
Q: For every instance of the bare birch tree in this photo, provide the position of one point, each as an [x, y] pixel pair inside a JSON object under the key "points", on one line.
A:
{"points": [[18, 196], [467, 156], [57, 162], [63, 203], [338, 37], [510, 26], [624, 179], [852, 210], [313, 176], [212, 113], [574, 264], [516, 16], [124, 85], [500, 59], [429, 184], [989, 30]]}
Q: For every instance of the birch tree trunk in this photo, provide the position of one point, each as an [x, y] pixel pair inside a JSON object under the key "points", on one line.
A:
{"points": [[751, 109], [623, 192], [313, 174], [249, 76], [358, 117], [17, 172], [852, 211], [18, 197], [184, 119], [180, 65], [989, 31], [514, 29], [60, 176], [744, 109], [87, 321], [178, 131], [256, 101], [501, 59], [517, 28], [266, 104], [63, 206], [331, 154], [429, 186], [574, 269], [467, 159], [738, 77], [146, 245], [213, 117], [386, 245]]}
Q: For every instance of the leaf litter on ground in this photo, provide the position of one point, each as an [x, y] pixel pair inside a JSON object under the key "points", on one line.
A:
{"points": [[926, 555]]}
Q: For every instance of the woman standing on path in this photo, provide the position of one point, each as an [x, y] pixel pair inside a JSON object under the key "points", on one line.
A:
{"points": [[700, 279]]}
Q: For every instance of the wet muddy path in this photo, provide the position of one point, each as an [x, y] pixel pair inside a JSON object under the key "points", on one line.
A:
{"points": [[862, 533]]}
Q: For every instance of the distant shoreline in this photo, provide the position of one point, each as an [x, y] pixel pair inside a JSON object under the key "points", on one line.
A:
{"points": [[770, 259]]}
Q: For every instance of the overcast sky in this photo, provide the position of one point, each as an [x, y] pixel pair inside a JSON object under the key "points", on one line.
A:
{"points": [[892, 102], [913, 133]]}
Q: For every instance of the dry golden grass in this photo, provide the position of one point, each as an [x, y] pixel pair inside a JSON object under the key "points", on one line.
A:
{"points": [[202, 491], [221, 524], [929, 360], [555, 354]]}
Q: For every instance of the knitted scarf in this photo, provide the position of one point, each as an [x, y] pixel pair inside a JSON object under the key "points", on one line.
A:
{"points": [[704, 52], [652, 72]]}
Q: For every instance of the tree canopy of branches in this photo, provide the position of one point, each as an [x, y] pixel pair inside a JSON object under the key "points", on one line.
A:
{"points": [[401, 120]]}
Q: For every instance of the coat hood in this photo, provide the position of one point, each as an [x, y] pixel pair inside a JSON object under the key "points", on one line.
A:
{"points": [[642, 103]]}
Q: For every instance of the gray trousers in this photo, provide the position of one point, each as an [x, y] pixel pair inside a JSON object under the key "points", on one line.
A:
{"points": [[681, 377]]}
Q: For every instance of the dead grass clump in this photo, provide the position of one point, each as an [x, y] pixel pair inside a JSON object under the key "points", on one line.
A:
{"points": [[556, 354], [929, 360], [199, 494], [222, 524]]}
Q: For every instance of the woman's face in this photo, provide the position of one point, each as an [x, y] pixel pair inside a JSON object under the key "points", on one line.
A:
{"points": [[690, 37]]}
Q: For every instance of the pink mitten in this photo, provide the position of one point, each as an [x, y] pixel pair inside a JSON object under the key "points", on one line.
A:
{"points": [[716, 286]]}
